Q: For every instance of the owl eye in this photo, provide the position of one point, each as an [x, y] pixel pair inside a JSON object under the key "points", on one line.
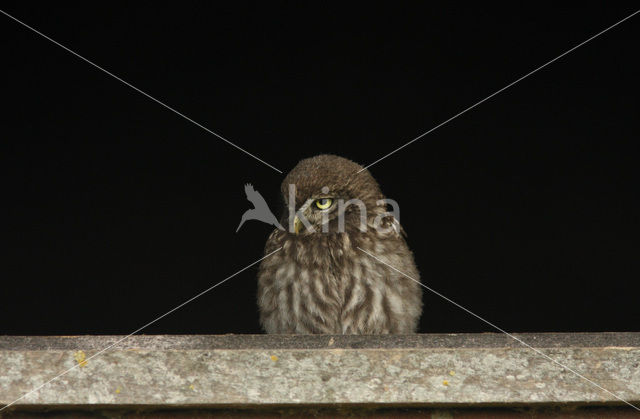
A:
{"points": [[324, 203]]}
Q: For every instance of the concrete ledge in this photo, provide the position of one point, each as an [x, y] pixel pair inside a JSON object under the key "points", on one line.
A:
{"points": [[256, 371]]}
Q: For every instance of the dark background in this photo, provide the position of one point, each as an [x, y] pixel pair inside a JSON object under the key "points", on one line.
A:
{"points": [[115, 210]]}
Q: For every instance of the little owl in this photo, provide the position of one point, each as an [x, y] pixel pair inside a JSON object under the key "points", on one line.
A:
{"points": [[320, 281]]}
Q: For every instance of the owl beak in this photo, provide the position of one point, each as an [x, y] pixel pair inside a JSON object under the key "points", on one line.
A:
{"points": [[297, 224]]}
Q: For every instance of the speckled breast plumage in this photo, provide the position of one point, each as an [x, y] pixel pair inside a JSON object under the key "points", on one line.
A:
{"points": [[324, 284]]}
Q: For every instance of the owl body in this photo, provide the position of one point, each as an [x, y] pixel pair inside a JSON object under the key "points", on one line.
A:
{"points": [[324, 282]]}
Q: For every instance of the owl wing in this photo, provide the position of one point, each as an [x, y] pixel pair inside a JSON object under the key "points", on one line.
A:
{"points": [[398, 228], [392, 225]]}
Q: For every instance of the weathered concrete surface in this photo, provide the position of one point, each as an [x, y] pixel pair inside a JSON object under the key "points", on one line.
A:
{"points": [[419, 370], [230, 341]]}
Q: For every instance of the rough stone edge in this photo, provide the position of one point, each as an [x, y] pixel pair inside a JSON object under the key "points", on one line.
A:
{"points": [[230, 341]]}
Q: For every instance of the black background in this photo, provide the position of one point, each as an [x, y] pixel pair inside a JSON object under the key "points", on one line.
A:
{"points": [[115, 210]]}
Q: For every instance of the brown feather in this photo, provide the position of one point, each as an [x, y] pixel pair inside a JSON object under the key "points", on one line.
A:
{"points": [[320, 282]]}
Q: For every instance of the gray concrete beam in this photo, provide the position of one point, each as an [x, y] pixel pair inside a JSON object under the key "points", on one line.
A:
{"points": [[262, 370]]}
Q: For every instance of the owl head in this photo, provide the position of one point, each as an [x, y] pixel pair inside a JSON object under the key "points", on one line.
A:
{"points": [[328, 193]]}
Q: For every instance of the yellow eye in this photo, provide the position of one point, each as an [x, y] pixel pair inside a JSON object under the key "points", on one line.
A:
{"points": [[324, 203]]}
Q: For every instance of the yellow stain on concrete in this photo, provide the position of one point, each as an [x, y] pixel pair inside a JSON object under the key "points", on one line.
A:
{"points": [[118, 390], [80, 358], [452, 373], [445, 383], [274, 358], [191, 387]]}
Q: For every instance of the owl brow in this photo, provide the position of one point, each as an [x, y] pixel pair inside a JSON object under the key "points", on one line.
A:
{"points": [[346, 184]]}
